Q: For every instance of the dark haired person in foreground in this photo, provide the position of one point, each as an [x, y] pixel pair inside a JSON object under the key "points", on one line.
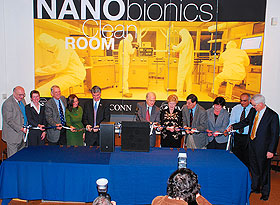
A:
{"points": [[182, 188], [102, 200]]}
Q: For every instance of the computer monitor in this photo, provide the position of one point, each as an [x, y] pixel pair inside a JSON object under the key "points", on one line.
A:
{"points": [[252, 44], [135, 136]]}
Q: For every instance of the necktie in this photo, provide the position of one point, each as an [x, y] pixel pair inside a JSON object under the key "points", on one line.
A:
{"points": [[148, 115], [242, 117], [95, 113], [22, 109], [61, 115], [191, 118], [253, 133]]}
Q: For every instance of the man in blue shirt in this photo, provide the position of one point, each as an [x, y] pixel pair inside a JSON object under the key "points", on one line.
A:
{"points": [[241, 138]]}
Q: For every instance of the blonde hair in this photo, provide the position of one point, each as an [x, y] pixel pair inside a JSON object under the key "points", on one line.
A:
{"points": [[172, 98]]}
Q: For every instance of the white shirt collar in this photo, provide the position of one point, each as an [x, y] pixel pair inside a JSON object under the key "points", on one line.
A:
{"points": [[33, 105]]}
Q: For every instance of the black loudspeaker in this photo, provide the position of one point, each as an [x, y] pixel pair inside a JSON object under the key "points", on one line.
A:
{"points": [[107, 137], [135, 136]]}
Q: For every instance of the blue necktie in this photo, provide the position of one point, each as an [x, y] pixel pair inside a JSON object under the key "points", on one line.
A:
{"points": [[61, 115], [95, 112], [22, 108]]}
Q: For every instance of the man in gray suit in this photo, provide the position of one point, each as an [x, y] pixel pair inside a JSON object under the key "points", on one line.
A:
{"points": [[148, 112], [13, 113], [195, 118], [55, 116]]}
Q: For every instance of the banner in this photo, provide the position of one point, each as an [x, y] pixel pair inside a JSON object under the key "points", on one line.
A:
{"points": [[129, 48]]}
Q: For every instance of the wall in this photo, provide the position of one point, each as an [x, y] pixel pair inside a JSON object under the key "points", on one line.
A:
{"points": [[271, 57], [16, 43], [17, 52]]}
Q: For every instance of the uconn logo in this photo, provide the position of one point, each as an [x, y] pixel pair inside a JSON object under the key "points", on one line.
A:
{"points": [[120, 108]]}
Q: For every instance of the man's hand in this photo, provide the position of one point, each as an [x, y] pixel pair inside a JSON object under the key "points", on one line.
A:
{"points": [[230, 128], [88, 128], [58, 126], [23, 130], [96, 129], [209, 133], [269, 155]]}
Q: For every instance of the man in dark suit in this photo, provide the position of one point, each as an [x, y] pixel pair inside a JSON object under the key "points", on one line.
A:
{"points": [[195, 117], [149, 112], [264, 135], [13, 118], [95, 112], [55, 116]]}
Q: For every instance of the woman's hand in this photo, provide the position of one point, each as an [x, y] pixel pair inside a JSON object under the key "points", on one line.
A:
{"points": [[72, 129], [41, 127], [43, 135]]}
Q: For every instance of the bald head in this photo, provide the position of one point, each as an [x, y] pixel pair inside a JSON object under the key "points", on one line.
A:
{"points": [[19, 93], [150, 99]]}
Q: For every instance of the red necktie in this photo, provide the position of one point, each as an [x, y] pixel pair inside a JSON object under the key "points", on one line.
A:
{"points": [[148, 115]]}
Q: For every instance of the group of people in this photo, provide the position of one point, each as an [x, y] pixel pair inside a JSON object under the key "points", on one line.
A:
{"points": [[255, 126], [64, 122], [203, 128], [60, 121]]}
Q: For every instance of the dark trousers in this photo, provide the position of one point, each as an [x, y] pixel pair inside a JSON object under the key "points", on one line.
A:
{"points": [[62, 139], [153, 139], [92, 138], [215, 145], [241, 147], [260, 170], [34, 138]]}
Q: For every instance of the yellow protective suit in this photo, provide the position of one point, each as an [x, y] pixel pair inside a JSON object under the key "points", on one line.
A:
{"points": [[125, 50], [234, 61], [66, 70], [185, 64]]}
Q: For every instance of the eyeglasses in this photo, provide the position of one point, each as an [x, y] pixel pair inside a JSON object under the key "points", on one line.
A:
{"points": [[254, 105], [243, 100]]}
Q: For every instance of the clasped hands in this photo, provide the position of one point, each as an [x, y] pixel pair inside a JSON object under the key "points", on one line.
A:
{"points": [[90, 128]]}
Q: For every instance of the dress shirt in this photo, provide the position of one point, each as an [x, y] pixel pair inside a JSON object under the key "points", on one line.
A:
{"points": [[57, 105], [236, 113], [96, 102], [260, 117], [150, 110], [193, 110]]}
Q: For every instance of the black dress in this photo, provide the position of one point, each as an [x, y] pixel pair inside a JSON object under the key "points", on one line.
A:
{"points": [[33, 118], [170, 139]]}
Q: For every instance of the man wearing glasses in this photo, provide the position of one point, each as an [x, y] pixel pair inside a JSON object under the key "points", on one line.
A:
{"points": [[263, 140], [241, 139], [148, 112], [14, 118]]}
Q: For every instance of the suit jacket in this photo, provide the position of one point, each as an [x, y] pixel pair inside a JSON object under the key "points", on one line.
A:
{"points": [[52, 118], [199, 122], [33, 117], [142, 110], [13, 121], [267, 134], [220, 125], [102, 115]]}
